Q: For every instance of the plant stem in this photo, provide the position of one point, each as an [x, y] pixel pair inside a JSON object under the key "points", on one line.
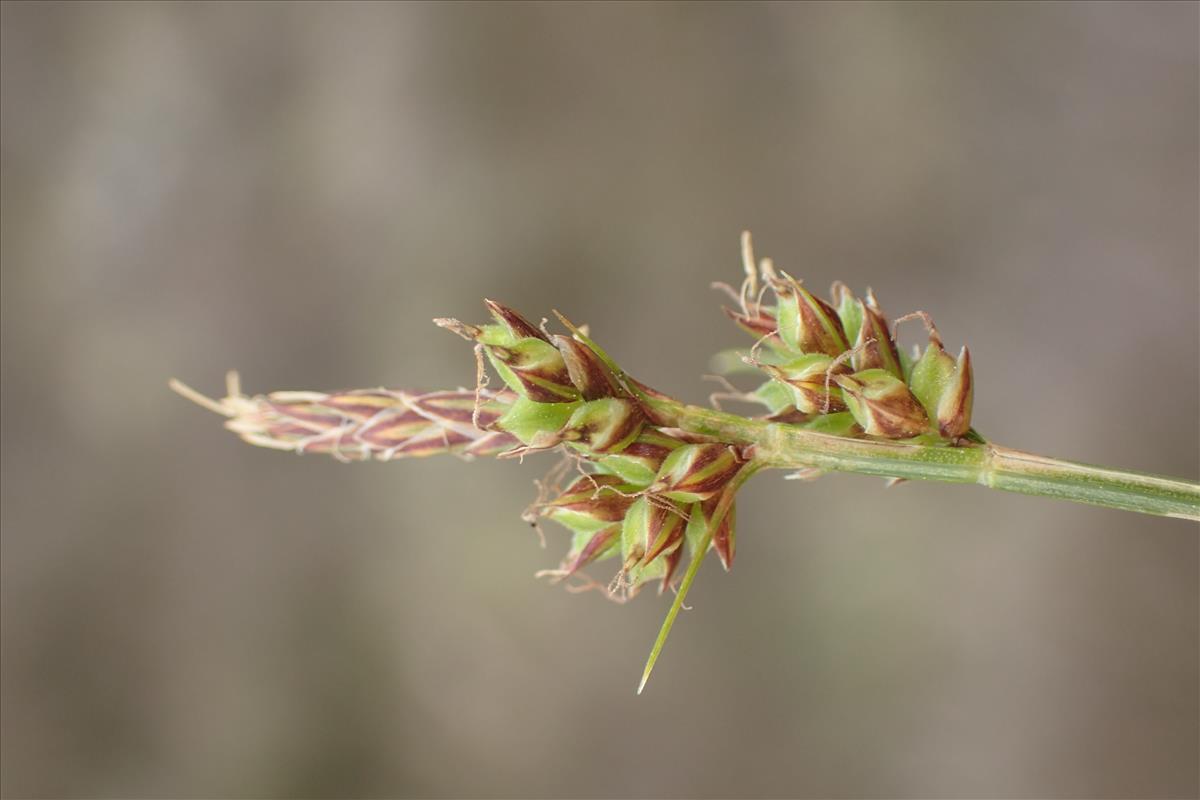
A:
{"points": [[723, 507], [792, 447]]}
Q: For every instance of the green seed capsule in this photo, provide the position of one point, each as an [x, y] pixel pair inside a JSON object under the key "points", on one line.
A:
{"points": [[954, 408], [810, 379], [849, 309], [590, 503], [522, 355], [635, 531], [608, 425], [535, 424], [945, 387], [653, 529], [587, 371], [696, 472], [931, 375], [533, 368], [874, 347], [806, 323], [639, 462], [883, 405]]}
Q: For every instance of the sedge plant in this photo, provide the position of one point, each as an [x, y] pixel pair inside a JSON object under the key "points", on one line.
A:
{"points": [[644, 479]]}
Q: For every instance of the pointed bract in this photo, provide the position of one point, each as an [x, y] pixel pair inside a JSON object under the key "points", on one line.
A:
{"points": [[670, 566], [874, 348], [954, 407], [760, 325], [517, 326], [723, 540], [945, 387], [849, 309], [725, 536], [587, 371], [598, 546]]}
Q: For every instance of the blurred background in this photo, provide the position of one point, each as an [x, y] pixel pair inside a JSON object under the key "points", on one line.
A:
{"points": [[295, 190]]}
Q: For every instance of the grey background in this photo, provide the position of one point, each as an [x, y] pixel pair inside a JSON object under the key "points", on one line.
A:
{"points": [[295, 190]]}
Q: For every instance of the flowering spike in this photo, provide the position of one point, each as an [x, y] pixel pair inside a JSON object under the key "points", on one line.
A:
{"points": [[659, 477], [883, 405], [379, 424], [649, 454]]}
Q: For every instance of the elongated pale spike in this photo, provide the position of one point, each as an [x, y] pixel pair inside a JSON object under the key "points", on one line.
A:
{"points": [[202, 400]]}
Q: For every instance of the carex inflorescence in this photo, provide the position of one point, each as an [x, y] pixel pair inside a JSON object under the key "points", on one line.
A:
{"points": [[631, 487]]}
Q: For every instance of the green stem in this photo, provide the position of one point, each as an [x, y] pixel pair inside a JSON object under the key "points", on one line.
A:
{"points": [[723, 507], [793, 447]]}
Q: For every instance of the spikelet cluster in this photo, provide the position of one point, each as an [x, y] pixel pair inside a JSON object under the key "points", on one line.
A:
{"points": [[629, 490], [834, 365]]}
